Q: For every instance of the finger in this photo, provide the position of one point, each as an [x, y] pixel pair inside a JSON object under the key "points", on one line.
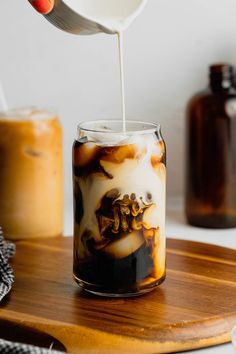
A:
{"points": [[42, 6]]}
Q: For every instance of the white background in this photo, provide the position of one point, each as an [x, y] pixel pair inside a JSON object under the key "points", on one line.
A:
{"points": [[167, 51]]}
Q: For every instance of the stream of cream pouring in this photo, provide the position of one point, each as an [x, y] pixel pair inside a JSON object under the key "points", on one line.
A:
{"points": [[86, 17]]}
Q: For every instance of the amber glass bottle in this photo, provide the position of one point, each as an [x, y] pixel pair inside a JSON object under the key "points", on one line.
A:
{"points": [[211, 152]]}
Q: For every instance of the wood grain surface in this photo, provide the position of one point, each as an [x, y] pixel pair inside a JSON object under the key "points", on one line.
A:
{"points": [[195, 307]]}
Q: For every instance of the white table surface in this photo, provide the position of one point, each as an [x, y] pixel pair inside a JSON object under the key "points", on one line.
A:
{"points": [[176, 227]]}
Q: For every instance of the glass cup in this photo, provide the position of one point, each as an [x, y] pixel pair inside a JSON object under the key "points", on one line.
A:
{"points": [[119, 183], [31, 174]]}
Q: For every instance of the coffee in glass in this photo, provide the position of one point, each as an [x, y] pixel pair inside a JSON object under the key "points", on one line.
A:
{"points": [[119, 207]]}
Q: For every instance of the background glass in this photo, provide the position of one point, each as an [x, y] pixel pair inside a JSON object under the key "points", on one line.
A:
{"points": [[31, 174]]}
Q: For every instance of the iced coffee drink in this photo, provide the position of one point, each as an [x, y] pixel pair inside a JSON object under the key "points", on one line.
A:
{"points": [[31, 174], [119, 207]]}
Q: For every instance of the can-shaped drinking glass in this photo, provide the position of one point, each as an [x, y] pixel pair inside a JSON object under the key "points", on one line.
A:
{"points": [[119, 180]]}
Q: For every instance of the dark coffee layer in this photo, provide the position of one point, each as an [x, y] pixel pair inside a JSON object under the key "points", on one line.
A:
{"points": [[116, 274]]}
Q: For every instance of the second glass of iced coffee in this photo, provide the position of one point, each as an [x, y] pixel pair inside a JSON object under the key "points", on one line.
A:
{"points": [[119, 207]]}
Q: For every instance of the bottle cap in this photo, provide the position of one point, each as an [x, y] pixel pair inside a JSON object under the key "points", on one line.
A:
{"points": [[222, 69], [221, 74]]}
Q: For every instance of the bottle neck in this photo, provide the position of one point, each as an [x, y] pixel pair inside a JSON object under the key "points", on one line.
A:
{"points": [[221, 85], [221, 77]]}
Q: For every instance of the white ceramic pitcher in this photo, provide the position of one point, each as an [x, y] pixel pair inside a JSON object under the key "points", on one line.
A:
{"points": [[93, 16]]}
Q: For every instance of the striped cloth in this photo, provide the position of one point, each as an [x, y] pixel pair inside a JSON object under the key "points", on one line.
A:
{"points": [[19, 348], [7, 250]]}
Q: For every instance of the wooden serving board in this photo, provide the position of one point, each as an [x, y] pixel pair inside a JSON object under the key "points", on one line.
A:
{"points": [[195, 307]]}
